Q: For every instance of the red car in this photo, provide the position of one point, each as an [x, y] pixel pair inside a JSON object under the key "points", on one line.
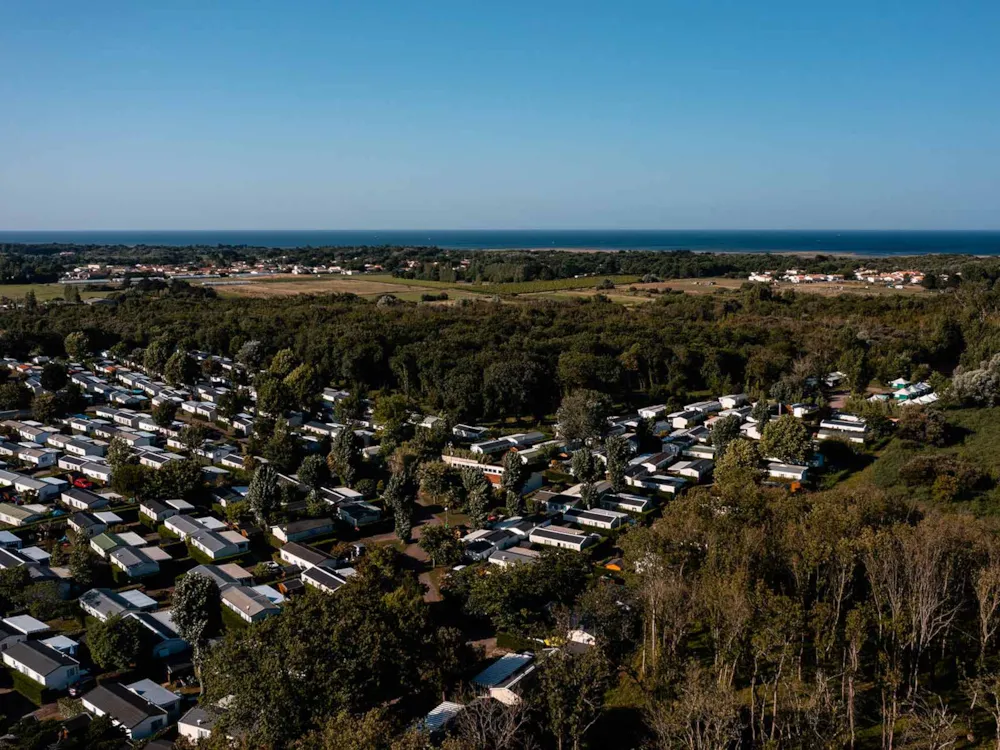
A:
{"points": [[83, 484]]}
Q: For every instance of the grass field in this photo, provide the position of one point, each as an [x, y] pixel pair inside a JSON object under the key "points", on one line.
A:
{"points": [[44, 292], [627, 289]]}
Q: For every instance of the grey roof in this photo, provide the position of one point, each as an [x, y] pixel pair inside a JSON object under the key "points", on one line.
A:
{"points": [[297, 527], [129, 556], [11, 558], [215, 573], [211, 540], [85, 520], [502, 669], [153, 624], [105, 601], [89, 499], [247, 600], [122, 704], [324, 577], [199, 717], [306, 553], [39, 658], [153, 692]]}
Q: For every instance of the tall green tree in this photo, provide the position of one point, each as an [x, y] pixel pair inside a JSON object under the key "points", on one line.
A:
{"points": [[77, 345], [344, 458], [583, 415], [263, 495], [512, 482], [724, 431], [180, 369], [115, 643], [587, 469], [786, 439], [573, 686], [197, 612], [478, 496], [313, 472], [617, 450]]}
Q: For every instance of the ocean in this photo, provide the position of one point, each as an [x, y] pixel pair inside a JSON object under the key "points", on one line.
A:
{"points": [[880, 243]]}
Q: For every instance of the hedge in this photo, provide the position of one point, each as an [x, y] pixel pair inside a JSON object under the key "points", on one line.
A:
{"points": [[37, 694], [514, 642]]}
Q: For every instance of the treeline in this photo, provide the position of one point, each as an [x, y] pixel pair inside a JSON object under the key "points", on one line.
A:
{"points": [[491, 360], [41, 262]]}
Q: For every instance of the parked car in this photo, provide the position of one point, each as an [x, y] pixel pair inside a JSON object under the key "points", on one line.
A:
{"points": [[82, 483], [83, 685]]}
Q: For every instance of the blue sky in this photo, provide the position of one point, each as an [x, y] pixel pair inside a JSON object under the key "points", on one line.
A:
{"points": [[326, 115]]}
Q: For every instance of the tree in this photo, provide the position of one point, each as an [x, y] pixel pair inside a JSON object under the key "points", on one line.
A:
{"points": [[761, 413], [316, 506], [180, 369], [72, 294], [398, 497], [512, 481], [283, 363], [197, 612], [479, 496], [46, 408], [573, 686], [82, 562], [522, 599], [303, 384], [263, 496], [156, 356], [786, 439], [587, 469], [178, 479], [724, 431], [617, 450], [272, 395], [441, 543], [390, 416], [119, 453], [251, 355], [164, 413], [53, 376], [13, 582], [344, 458], [193, 435], [739, 467], [927, 426], [349, 409], [116, 643], [294, 671], [232, 402], [313, 472], [282, 447], [14, 395], [583, 414], [77, 346]]}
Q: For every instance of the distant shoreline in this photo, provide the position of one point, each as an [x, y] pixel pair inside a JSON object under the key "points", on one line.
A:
{"points": [[855, 244]]}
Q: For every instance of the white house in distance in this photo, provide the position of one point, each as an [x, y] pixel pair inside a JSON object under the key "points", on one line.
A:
{"points": [[42, 664]]}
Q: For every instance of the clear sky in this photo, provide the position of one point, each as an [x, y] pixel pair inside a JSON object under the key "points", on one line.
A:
{"points": [[663, 114]]}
